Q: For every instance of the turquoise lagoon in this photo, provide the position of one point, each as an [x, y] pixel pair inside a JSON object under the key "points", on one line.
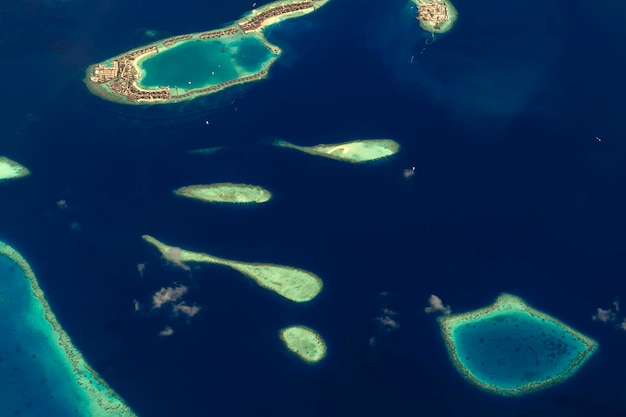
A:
{"points": [[205, 62], [510, 348], [41, 373]]}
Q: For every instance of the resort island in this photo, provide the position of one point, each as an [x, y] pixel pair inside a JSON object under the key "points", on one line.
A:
{"points": [[435, 16], [158, 73]]}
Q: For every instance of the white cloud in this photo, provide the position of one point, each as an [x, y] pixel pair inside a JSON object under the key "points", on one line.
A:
{"points": [[623, 325], [168, 331], [185, 309], [604, 316], [167, 295], [436, 305]]}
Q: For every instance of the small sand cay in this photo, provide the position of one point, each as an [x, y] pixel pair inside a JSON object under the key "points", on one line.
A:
{"points": [[10, 169], [362, 150], [292, 283], [304, 342], [225, 192]]}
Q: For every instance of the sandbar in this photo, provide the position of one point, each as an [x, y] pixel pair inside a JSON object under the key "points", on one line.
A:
{"points": [[305, 342], [10, 169], [294, 284], [119, 79], [225, 192], [357, 151]]}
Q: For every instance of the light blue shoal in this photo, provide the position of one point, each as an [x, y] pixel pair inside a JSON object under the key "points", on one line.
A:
{"points": [[41, 373]]}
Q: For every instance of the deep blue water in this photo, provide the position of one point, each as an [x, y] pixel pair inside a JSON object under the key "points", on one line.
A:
{"points": [[512, 193]]}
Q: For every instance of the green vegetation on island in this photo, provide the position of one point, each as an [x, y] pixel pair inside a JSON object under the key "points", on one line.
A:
{"points": [[225, 193], [304, 342], [184, 67], [10, 169], [357, 151], [510, 349], [436, 16], [47, 375], [292, 283]]}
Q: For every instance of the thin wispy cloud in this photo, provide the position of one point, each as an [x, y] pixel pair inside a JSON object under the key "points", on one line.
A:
{"points": [[611, 315], [435, 305], [168, 295], [604, 316], [168, 331], [187, 310]]}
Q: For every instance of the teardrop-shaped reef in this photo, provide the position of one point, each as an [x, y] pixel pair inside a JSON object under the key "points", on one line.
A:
{"points": [[509, 348], [292, 283], [357, 151]]}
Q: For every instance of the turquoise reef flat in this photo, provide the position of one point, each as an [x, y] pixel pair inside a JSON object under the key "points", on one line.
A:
{"points": [[510, 348], [42, 372]]}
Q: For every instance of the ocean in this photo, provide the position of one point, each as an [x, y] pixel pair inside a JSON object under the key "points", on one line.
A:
{"points": [[512, 121]]}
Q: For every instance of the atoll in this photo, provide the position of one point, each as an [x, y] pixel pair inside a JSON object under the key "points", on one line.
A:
{"points": [[509, 348], [125, 78]]}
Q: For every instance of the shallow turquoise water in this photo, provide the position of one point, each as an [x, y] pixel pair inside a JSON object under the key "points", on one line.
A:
{"points": [[513, 349], [252, 54], [202, 63], [33, 383]]}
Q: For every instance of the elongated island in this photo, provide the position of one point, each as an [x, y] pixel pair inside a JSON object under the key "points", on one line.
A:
{"points": [[435, 16], [188, 66]]}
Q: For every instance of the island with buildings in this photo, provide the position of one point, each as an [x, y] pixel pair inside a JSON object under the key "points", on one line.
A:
{"points": [[435, 16], [144, 75]]}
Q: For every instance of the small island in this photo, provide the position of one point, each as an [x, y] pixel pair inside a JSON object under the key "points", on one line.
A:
{"points": [[218, 59], [294, 284], [510, 348], [357, 151], [306, 343], [435, 16], [225, 192], [10, 170]]}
